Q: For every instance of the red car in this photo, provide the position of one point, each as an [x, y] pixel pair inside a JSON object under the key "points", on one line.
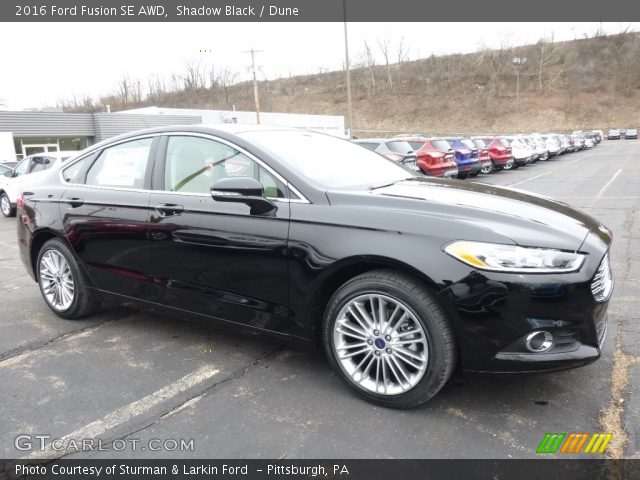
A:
{"points": [[434, 157], [498, 149]]}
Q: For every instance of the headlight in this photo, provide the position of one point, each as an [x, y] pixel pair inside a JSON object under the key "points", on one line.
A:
{"points": [[512, 258]]}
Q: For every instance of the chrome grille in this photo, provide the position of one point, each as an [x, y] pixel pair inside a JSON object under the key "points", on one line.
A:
{"points": [[602, 283]]}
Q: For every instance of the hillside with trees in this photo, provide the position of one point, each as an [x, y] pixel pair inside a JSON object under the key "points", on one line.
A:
{"points": [[585, 83]]}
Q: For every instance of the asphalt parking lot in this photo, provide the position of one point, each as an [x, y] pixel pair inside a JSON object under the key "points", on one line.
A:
{"points": [[129, 377]]}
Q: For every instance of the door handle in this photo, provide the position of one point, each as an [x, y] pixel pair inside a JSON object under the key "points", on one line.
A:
{"points": [[169, 209], [74, 201]]}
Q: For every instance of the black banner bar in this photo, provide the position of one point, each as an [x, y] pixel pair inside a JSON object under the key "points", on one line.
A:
{"points": [[542, 468], [315, 10]]}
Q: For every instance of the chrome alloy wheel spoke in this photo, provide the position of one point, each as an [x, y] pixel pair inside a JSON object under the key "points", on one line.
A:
{"points": [[56, 280], [380, 344]]}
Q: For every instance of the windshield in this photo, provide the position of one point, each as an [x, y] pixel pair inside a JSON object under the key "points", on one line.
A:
{"points": [[468, 143], [326, 161], [416, 145]]}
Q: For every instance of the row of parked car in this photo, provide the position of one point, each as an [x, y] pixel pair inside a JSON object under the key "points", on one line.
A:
{"points": [[462, 157], [626, 133]]}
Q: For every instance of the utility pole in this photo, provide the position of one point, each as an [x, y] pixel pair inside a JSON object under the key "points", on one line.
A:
{"points": [[255, 82], [348, 71]]}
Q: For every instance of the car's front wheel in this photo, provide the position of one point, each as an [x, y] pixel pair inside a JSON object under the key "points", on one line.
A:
{"points": [[487, 168], [5, 206], [62, 284], [388, 339]]}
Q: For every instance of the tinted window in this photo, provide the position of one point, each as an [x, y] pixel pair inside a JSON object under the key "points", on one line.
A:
{"points": [[441, 144], [369, 145], [194, 164], [399, 146], [72, 173], [504, 142], [123, 165], [327, 161], [416, 145], [467, 143], [39, 164]]}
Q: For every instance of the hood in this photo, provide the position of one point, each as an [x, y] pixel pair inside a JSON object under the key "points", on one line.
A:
{"points": [[483, 212]]}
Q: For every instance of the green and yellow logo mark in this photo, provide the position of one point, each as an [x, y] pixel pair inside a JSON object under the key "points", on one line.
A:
{"points": [[574, 443]]}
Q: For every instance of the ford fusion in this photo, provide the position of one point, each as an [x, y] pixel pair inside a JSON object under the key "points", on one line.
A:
{"points": [[315, 240]]}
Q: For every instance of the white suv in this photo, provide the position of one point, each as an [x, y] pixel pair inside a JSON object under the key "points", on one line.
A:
{"points": [[13, 180]]}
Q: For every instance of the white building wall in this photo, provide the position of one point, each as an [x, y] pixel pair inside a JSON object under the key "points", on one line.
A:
{"points": [[332, 124]]}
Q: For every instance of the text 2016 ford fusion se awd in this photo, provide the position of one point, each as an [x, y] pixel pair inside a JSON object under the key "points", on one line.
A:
{"points": [[311, 238]]}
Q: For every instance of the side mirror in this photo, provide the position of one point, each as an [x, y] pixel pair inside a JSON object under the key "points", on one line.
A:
{"points": [[8, 173], [245, 190]]}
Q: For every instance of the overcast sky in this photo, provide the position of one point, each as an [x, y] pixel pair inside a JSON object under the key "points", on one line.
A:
{"points": [[42, 63]]}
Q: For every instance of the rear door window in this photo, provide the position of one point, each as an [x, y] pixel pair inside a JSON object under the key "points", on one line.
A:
{"points": [[441, 145], [401, 147], [123, 165]]}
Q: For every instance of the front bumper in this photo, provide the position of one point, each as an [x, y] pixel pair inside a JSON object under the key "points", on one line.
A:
{"points": [[494, 316]]}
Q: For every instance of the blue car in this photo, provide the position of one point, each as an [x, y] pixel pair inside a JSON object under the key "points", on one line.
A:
{"points": [[467, 156]]}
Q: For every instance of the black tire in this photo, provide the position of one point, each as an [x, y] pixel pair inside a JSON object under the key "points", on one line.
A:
{"points": [[509, 166], [442, 350], [82, 304], [7, 209], [487, 170], [474, 174]]}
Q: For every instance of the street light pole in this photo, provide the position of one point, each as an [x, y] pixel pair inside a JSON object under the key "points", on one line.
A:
{"points": [[518, 63], [348, 71]]}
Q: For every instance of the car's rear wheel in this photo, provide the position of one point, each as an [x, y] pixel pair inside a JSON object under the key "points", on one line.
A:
{"points": [[545, 156], [5, 206], [388, 339], [62, 284], [509, 166], [487, 168]]}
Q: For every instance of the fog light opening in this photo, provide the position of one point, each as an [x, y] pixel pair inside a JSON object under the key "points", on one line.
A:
{"points": [[539, 341]]}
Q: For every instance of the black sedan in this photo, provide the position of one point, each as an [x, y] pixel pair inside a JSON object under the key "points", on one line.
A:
{"points": [[313, 239]]}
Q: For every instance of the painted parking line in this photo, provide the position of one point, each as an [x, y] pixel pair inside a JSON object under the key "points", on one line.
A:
{"points": [[527, 179], [125, 414], [606, 185]]}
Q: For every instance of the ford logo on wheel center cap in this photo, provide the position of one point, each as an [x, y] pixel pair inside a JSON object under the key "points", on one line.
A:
{"points": [[379, 343]]}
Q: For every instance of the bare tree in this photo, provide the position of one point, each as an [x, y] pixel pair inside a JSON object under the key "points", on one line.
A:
{"points": [[547, 50], [194, 77], [385, 47], [370, 62], [498, 59], [226, 78], [123, 91], [402, 51]]}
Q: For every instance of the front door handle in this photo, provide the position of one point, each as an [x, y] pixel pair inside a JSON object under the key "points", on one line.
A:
{"points": [[169, 209], [74, 201]]}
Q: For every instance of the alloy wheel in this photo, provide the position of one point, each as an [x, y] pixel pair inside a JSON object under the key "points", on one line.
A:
{"points": [[5, 205], [56, 280], [380, 344]]}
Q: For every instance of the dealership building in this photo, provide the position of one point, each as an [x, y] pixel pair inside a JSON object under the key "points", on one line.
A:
{"points": [[25, 133]]}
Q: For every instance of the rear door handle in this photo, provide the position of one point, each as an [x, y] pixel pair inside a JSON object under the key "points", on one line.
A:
{"points": [[74, 201], [169, 209]]}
